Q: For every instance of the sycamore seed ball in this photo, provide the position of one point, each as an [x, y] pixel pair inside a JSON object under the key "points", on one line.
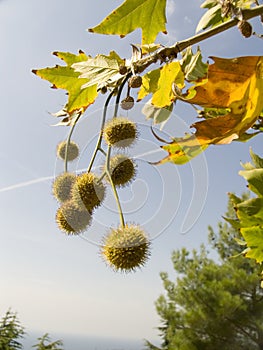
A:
{"points": [[62, 186], [127, 103], [122, 170], [73, 150], [126, 249], [88, 191], [71, 219], [120, 132], [135, 81]]}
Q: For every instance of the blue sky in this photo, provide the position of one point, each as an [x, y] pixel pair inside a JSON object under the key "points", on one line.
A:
{"points": [[60, 284]]}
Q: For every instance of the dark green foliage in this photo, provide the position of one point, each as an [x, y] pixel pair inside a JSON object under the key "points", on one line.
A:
{"points": [[213, 303], [44, 343], [11, 332]]}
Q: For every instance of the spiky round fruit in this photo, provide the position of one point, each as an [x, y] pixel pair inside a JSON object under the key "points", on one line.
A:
{"points": [[245, 28], [71, 219], [88, 191], [62, 186], [127, 103], [120, 132], [126, 249], [122, 170], [73, 150], [135, 81]]}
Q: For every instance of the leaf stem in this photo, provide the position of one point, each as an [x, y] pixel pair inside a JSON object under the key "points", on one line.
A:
{"points": [[68, 141], [119, 94], [98, 145], [115, 193]]}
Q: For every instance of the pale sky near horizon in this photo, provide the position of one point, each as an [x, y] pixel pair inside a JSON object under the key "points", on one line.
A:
{"points": [[58, 283]]}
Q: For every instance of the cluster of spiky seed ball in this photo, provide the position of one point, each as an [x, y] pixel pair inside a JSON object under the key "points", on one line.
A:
{"points": [[126, 247]]}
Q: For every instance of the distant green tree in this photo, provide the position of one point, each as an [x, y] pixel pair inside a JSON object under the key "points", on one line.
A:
{"points": [[44, 343], [11, 332], [214, 303]]}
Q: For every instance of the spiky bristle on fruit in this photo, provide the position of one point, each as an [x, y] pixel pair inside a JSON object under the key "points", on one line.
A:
{"points": [[72, 152], [122, 170], [62, 186], [71, 219], [126, 248], [88, 191], [120, 132]]}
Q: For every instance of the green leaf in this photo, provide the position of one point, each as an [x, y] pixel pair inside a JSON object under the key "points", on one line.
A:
{"points": [[233, 222], [149, 15], [212, 17], [70, 58], [254, 239], [159, 115], [246, 136], [149, 83], [255, 180], [192, 65], [257, 161], [64, 77], [209, 3], [182, 150], [250, 212], [234, 199], [99, 70]]}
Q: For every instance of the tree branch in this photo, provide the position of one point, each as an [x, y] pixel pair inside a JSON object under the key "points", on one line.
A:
{"points": [[170, 52]]}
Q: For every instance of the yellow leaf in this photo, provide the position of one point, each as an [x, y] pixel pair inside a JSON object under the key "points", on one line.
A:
{"points": [[159, 82], [236, 84], [182, 150], [149, 83], [232, 83], [170, 73]]}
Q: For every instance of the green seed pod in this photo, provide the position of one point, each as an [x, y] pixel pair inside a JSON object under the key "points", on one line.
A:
{"points": [[73, 150], [120, 132], [126, 249], [135, 81], [127, 103], [122, 170], [62, 186], [88, 192], [71, 219]]}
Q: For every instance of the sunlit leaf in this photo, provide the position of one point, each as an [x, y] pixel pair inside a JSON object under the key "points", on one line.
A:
{"points": [[257, 161], [159, 115], [182, 150], [149, 83], [99, 70], [70, 58], [250, 211], [170, 73], [159, 82], [64, 77], [192, 65], [232, 83], [149, 15], [255, 180], [211, 17], [254, 240]]}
